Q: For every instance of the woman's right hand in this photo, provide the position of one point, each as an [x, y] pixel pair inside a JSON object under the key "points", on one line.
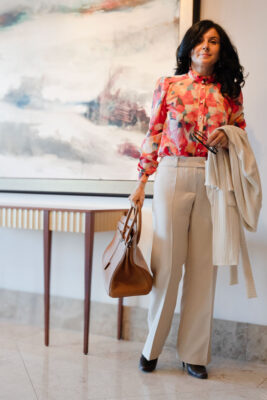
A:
{"points": [[138, 195]]}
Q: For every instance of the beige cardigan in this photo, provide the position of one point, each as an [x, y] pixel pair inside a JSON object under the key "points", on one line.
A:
{"points": [[234, 190]]}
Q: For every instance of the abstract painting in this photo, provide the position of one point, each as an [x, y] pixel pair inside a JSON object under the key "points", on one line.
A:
{"points": [[77, 78]]}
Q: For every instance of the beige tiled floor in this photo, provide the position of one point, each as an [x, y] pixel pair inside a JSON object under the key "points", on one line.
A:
{"points": [[29, 370]]}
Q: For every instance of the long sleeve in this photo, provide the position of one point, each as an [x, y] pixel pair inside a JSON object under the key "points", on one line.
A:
{"points": [[149, 149], [237, 114]]}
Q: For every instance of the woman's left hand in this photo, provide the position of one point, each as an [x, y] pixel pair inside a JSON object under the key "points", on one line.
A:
{"points": [[218, 139]]}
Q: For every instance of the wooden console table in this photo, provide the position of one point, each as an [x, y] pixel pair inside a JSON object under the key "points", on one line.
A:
{"points": [[51, 219]]}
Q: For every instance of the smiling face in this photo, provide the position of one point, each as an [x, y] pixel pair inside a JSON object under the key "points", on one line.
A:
{"points": [[206, 53]]}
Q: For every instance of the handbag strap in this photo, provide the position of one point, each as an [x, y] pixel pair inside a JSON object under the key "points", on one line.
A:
{"points": [[126, 221], [137, 217], [139, 222]]}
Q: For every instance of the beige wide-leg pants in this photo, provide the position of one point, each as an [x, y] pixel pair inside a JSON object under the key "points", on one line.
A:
{"points": [[182, 236]]}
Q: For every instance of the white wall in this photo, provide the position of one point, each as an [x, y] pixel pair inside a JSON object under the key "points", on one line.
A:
{"points": [[21, 251], [245, 21]]}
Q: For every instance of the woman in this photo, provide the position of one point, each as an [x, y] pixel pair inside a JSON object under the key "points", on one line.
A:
{"points": [[204, 94]]}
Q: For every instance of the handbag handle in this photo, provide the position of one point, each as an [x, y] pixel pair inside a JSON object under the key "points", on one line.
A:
{"points": [[139, 222], [137, 217]]}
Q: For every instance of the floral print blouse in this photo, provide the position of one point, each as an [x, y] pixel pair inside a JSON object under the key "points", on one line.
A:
{"points": [[182, 104]]}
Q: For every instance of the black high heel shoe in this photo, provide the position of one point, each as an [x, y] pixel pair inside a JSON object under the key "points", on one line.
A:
{"points": [[147, 365], [197, 371]]}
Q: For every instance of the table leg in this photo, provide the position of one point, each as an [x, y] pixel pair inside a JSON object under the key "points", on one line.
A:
{"points": [[47, 269], [120, 318], [89, 244]]}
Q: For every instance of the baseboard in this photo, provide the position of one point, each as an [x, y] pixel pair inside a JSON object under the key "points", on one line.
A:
{"points": [[230, 339]]}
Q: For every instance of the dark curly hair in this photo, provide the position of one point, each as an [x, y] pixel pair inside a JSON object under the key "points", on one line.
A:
{"points": [[228, 71]]}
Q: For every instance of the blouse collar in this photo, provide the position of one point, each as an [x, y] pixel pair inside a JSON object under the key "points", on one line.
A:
{"points": [[205, 79]]}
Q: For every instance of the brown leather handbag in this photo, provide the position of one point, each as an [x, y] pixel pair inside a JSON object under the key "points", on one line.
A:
{"points": [[125, 270]]}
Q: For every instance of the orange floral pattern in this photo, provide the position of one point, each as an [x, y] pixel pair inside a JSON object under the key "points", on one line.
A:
{"points": [[182, 104]]}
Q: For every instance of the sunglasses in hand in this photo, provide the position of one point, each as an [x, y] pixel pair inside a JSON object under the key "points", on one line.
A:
{"points": [[202, 138]]}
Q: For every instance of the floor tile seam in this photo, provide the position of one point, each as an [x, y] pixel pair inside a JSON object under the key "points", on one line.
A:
{"points": [[20, 340], [208, 388], [17, 322], [187, 392], [261, 383], [79, 352], [23, 325], [112, 338], [27, 372], [156, 395], [218, 381]]}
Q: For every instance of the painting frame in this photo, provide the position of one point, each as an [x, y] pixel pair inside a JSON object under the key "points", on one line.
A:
{"points": [[190, 11]]}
